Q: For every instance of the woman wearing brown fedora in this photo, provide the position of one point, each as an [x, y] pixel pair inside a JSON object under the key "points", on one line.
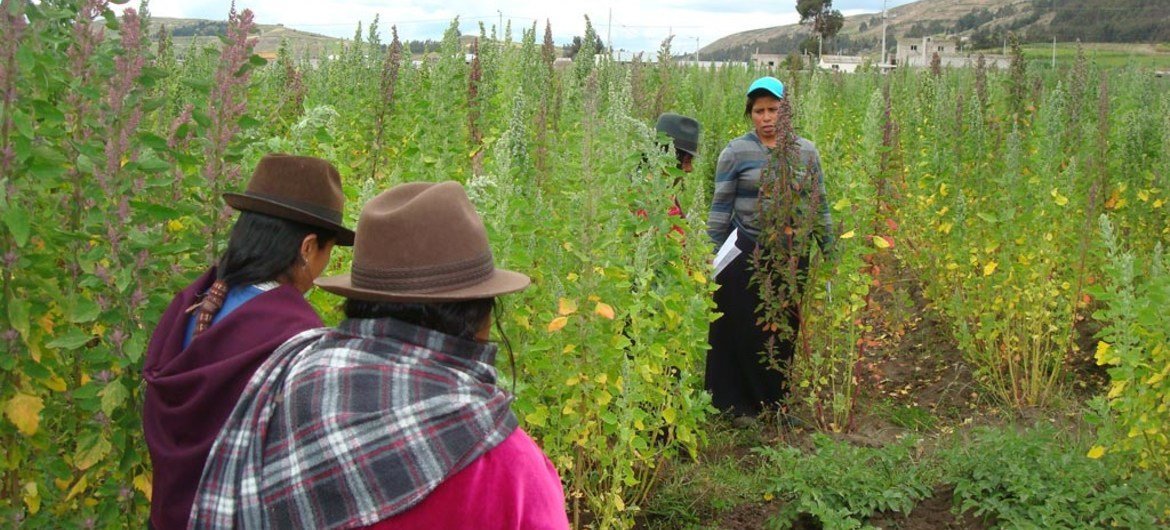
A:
{"points": [[393, 419], [218, 330]]}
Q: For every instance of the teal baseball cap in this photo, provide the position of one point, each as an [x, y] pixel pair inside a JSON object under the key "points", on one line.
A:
{"points": [[768, 83]]}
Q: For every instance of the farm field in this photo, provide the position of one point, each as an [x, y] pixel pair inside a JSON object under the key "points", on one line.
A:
{"points": [[988, 348], [1104, 55]]}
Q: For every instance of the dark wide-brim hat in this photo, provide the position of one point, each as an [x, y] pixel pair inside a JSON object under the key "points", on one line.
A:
{"points": [[684, 130], [422, 242], [303, 189]]}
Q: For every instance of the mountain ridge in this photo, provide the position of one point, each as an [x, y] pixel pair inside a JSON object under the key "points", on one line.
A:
{"points": [[980, 23]]}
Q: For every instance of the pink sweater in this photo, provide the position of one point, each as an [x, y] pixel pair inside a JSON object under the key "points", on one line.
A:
{"points": [[512, 487]]}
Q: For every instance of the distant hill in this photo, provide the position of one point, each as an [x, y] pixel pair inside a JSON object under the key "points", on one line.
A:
{"points": [[984, 23], [186, 32]]}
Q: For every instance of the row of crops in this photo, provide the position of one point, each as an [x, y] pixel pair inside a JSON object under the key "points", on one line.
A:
{"points": [[1031, 205]]}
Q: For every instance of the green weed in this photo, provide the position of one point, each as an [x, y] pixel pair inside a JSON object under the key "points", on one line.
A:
{"points": [[1038, 478], [841, 485]]}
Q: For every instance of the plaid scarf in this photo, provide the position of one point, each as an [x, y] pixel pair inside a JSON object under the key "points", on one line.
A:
{"points": [[346, 427]]}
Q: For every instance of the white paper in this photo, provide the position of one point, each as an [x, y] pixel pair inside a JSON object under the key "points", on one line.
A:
{"points": [[727, 253]]}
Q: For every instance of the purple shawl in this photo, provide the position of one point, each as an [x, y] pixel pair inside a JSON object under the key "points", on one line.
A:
{"points": [[191, 392]]}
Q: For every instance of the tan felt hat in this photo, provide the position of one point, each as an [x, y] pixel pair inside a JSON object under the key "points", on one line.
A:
{"points": [[304, 189], [422, 242]]}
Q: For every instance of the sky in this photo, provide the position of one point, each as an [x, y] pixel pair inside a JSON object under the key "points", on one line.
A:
{"points": [[633, 26]]}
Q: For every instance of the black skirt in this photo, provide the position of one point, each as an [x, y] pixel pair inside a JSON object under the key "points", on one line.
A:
{"points": [[740, 378]]}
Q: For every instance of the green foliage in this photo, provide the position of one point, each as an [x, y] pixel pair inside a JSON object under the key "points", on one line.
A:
{"points": [[841, 485], [1136, 346], [1038, 479], [107, 203]]}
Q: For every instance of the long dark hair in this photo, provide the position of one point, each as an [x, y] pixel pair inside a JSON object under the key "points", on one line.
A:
{"points": [[263, 248], [458, 319]]}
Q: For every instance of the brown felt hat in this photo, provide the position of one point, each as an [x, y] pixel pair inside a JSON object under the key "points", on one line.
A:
{"points": [[297, 188], [422, 242]]}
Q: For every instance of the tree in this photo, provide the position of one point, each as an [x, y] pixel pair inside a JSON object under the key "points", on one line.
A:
{"points": [[573, 48], [825, 20]]}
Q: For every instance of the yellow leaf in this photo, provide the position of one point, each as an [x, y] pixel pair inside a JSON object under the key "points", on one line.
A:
{"points": [[558, 323], [572, 381], [669, 415], [848, 235], [1060, 200], [32, 497], [537, 417], [566, 307], [880, 242], [78, 488], [61, 484], [604, 310], [569, 348], [143, 483], [699, 278], [989, 268], [90, 451], [768, 496], [1102, 355], [56, 384], [572, 276], [46, 323], [602, 379], [174, 226], [603, 398], [24, 411], [1096, 452], [1116, 389]]}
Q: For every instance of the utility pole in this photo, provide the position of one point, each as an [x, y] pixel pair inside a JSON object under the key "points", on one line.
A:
{"points": [[1054, 52], [696, 50], [882, 57], [609, 34], [500, 31]]}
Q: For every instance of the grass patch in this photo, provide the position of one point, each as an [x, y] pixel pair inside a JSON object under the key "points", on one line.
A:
{"points": [[726, 477], [906, 416]]}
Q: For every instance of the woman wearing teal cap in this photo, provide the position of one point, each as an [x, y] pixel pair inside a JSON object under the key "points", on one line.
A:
{"points": [[737, 379]]}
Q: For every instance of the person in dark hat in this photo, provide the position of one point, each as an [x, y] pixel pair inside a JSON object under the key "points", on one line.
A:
{"points": [[738, 381], [684, 131], [394, 418], [218, 330]]}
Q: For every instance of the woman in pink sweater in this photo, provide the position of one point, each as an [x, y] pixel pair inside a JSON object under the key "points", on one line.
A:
{"points": [[393, 419]]}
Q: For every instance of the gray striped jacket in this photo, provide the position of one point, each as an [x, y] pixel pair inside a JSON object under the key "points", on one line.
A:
{"points": [[737, 189]]}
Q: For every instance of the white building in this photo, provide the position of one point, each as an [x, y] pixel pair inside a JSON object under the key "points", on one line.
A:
{"points": [[767, 60], [919, 53], [841, 63]]}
